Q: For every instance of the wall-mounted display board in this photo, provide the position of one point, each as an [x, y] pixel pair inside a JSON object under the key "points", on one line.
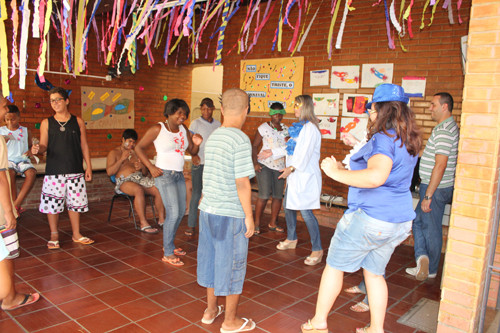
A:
{"points": [[272, 80], [104, 108]]}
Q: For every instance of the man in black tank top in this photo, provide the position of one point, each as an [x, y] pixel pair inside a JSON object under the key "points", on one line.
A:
{"points": [[63, 137]]}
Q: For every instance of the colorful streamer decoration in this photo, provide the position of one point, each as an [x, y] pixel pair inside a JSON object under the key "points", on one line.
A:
{"points": [[23, 54], [3, 50], [220, 41]]}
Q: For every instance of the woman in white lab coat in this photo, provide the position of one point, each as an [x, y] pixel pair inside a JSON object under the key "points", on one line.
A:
{"points": [[303, 177]]}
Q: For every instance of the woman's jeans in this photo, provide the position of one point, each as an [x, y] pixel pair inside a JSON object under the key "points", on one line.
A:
{"points": [[172, 187], [197, 181], [311, 223]]}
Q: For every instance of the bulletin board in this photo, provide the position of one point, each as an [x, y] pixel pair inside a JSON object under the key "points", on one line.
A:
{"points": [[272, 80], [107, 108]]}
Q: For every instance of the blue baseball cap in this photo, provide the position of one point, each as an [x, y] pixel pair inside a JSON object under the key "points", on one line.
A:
{"points": [[388, 92]]}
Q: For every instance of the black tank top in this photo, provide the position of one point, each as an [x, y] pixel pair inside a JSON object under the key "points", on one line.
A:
{"points": [[64, 150]]}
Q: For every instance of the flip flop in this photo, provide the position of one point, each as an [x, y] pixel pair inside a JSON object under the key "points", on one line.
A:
{"points": [[173, 262], [189, 232], [354, 290], [256, 231], [83, 240], [242, 328], [53, 245], [220, 310], [144, 230], [276, 229], [26, 301], [312, 329], [361, 329], [179, 252], [360, 307]]}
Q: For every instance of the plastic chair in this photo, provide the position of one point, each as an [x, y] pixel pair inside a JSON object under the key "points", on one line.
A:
{"points": [[130, 199]]}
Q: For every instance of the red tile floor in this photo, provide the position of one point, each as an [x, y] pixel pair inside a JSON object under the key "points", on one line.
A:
{"points": [[119, 284]]}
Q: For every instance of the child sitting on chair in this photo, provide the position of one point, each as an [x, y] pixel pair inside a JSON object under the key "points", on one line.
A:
{"points": [[18, 139]]}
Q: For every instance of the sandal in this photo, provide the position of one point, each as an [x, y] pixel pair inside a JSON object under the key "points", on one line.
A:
{"points": [[179, 252], [362, 329], [312, 329], [173, 261], [354, 290], [276, 229], [256, 231], [313, 261], [360, 307], [83, 240], [189, 232], [53, 245], [34, 297], [149, 230], [220, 310]]}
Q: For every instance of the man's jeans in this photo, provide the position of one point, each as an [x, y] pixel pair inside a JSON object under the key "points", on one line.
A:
{"points": [[428, 228], [197, 181]]}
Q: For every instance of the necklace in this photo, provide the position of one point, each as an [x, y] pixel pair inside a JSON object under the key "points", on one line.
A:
{"points": [[273, 127], [62, 129]]}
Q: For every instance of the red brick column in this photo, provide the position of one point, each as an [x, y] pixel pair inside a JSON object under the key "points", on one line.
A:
{"points": [[472, 213]]}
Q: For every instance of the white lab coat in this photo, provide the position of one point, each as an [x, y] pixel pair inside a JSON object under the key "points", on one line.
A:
{"points": [[304, 185]]}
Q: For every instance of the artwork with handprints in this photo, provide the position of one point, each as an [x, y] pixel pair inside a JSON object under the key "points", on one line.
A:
{"points": [[328, 127], [372, 75], [356, 126], [345, 77], [326, 104]]}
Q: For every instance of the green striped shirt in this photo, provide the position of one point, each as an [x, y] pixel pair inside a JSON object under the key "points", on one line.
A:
{"points": [[228, 156], [443, 141]]}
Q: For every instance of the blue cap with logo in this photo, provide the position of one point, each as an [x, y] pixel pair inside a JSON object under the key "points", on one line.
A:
{"points": [[388, 92]]}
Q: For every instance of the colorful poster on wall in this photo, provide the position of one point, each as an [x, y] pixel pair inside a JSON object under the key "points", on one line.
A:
{"points": [[104, 108], [319, 78], [272, 80], [354, 105], [373, 75], [326, 104], [345, 77], [414, 86], [328, 127], [356, 126]]}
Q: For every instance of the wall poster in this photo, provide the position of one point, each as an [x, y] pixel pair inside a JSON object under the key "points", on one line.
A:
{"points": [[272, 80], [326, 104], [328, 127], [354, 105], [105, 108], [345, 77], [373, 75]]}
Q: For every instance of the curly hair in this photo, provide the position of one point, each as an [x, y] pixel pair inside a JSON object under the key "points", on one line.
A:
{"points": [[398, 116]]}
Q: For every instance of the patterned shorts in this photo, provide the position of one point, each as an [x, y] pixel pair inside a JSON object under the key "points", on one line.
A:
{"points": [[136, 177], [9, 248], [57, 189], [20, 167]]}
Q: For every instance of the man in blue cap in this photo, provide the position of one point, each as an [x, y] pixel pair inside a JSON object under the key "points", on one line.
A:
{"points": [[437, 172]]}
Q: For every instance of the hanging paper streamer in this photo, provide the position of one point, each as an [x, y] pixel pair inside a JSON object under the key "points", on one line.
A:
{"points": [[394, 20], [297, 27], [220, 41], [43, 54], [67, 34], [459, 4], [23, 54], [15, 26], [277, 34], [258, 29], [306, 33], [407, 16], [330, 32], [3, 51], [342, 25], [36, 19], [422, 24], [447, 5], [80, 21], [388, 27], [116, 28], [84, 37]]}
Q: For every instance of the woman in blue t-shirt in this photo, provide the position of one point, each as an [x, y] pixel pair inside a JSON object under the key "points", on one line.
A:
{"points": [[380, 206]]}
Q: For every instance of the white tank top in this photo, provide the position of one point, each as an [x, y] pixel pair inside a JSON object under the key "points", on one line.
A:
{"points": [[170, 148]]}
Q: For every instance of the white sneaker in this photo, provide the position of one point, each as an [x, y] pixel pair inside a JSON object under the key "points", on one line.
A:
{"points": [[413, 271], [423, 268]]}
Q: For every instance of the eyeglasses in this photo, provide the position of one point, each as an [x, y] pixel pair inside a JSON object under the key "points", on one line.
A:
{"points": [[56, 100], [369, 112]]}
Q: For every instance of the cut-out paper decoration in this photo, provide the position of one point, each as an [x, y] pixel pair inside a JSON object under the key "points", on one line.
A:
{"points": [[376, 74], [38, 105], [345, 77], [37, 125], [354, 105], [328, 127], [105, 108], [354, 125], [109, 136], [143, 119], [319, 78], [67, 81], [165, 97], [414, 86], [272, 80], [141, 88], [326, 104]]}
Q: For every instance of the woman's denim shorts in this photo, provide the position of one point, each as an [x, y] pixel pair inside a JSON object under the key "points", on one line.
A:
{"points": [[222, 253], [361, 241]]}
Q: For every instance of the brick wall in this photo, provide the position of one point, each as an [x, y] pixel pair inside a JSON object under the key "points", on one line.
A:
{"points": [[477, 177]]}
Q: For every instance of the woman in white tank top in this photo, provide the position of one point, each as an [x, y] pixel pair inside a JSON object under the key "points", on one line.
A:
{"points": [[171, 139]]}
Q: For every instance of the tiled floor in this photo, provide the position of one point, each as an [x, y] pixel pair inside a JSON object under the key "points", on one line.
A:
{"points": [[120, 285]]}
